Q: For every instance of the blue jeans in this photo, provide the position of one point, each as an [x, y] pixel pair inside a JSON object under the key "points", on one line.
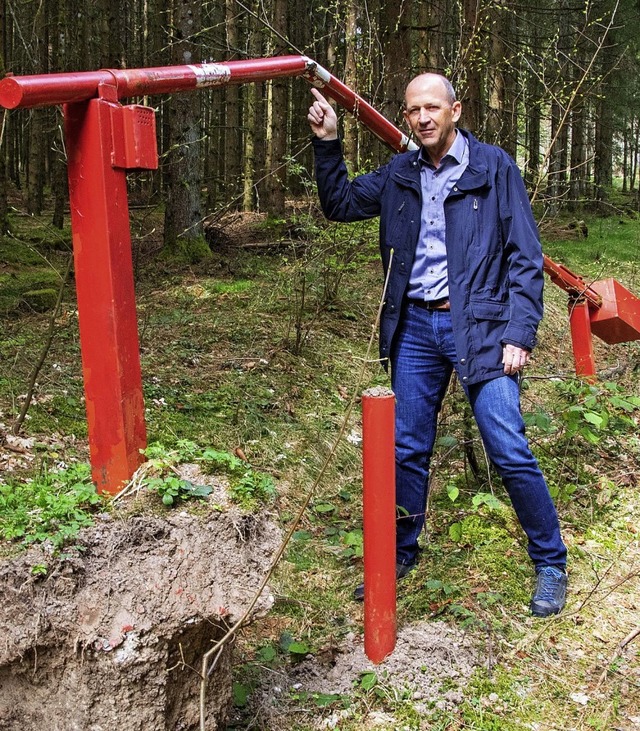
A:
{"points": [[422, 361]]}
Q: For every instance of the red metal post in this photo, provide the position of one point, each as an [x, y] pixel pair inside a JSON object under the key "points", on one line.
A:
{"points": [[103, 138], [379, 500], [580, 322]]}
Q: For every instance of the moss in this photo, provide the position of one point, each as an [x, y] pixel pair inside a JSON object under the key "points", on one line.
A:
{"points": [[28, 290], [187, 250], [40, 300]]}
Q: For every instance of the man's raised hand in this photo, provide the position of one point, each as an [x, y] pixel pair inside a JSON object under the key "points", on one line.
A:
{"points": [[322, 118]]}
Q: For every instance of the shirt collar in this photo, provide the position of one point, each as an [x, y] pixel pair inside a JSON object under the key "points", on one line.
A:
{"points": [[457, 152]]}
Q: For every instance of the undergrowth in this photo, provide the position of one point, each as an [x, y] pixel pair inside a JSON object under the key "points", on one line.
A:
{"points": [[53, 506], [255, 355]]}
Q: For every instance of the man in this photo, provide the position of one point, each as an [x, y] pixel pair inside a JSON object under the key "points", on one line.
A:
{"points": [[464, 293]]}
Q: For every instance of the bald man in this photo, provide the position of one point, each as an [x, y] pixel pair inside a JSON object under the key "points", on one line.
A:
{"points": [[462, 252]]}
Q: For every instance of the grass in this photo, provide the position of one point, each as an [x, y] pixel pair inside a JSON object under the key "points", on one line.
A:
{"points": [[609, 250], [234, 356]]}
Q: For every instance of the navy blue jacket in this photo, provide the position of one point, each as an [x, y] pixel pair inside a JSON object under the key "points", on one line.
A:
{"points": [[494, 257]]}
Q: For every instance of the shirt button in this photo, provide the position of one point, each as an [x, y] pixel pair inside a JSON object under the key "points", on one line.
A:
{"points": [[455, 188]]}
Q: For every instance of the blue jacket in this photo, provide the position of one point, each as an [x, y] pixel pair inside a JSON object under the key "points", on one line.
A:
{"points": [[494, 257]]}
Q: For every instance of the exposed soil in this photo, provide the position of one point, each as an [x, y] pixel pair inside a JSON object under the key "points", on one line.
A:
{"points": [[113, 635], [431, 664]]}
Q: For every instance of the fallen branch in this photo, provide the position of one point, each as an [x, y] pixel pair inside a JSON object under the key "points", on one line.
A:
{"points": [[618, 653]]}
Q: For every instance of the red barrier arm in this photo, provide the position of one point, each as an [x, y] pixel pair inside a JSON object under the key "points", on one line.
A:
{"points": [[570, 282], [51, 89]]}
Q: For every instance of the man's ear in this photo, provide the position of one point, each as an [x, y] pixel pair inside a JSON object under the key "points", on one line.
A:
{"points": [[456, 110]]}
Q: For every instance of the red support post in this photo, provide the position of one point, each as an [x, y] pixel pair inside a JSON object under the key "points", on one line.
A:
{"points": [[379, 508], [580, 323], [103, 139]]}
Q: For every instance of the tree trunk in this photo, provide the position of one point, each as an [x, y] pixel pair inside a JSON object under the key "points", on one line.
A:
{"points": [[578, 169], [233, 120], [603, 151], [278, 118], [432, 37], [397, 57], [496, 116], [4, 183], [36, 175], [183, 216], [249, 129], [470, 53], [351, 126]]}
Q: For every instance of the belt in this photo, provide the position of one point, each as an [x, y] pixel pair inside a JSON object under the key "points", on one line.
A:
{"points": [[441, 304]]}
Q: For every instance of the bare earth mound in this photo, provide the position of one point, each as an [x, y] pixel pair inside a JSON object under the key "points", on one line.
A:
{"points": [[431, 664], [109, 638]]}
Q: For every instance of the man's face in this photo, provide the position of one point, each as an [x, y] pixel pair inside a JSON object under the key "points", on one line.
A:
{"points": [[430, 115]]}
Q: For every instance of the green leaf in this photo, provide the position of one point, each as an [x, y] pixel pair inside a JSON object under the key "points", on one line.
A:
{"points": [[452, 492], [455, 531], [447, 441], [368, 680], [298, 648], [325, 699], [267, 653], [302, 535], [286, 638], [353, 538], [593, 418], [324, 508], [240, 695]]}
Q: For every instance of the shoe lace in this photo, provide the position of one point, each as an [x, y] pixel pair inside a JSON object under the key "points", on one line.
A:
{"points": [[548, 584]]}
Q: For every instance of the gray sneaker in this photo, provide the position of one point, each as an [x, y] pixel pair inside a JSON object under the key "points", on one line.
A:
{"points": [[551, 591]]}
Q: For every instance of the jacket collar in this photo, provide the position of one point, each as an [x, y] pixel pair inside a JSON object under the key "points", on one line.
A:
{"points": [[476, 174]]}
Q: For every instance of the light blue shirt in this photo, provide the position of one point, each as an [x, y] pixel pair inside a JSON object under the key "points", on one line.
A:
{"points": [[428, 279]]}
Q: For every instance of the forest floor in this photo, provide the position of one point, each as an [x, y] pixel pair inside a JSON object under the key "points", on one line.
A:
{"points": [[257, 352]]}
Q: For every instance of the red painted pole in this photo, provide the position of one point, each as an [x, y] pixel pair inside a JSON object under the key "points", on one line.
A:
{"points": [[50, 89], [379, 508], [104, 278], [580, 323]]}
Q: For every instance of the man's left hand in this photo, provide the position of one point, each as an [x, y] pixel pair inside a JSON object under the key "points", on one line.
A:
{"points": [[514, 358]]}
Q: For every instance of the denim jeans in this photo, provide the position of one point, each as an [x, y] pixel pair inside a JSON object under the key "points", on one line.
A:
{"points": [[422, 361]]}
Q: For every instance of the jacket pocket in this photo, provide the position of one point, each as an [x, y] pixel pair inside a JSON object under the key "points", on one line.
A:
{"points": [[488, 310]]}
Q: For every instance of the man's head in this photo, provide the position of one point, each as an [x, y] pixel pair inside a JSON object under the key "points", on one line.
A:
{"points": [[431, 110]]}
